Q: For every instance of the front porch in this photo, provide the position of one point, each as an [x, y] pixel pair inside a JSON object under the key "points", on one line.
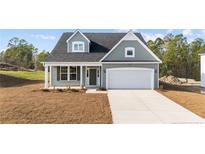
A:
{"points": [[72, 75]]}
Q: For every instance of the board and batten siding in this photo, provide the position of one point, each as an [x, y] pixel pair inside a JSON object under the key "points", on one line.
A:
{"points": [[118, 54], [152, 66]]}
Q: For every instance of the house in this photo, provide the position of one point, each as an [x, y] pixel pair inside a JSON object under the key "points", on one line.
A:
{"points": [[203, 69], [106, 60]]}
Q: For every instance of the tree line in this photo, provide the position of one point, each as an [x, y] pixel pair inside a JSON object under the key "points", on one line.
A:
{"points": [[19, 52], [179, 57]]}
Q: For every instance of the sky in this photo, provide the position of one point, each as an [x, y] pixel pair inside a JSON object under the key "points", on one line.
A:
{"points": [[46, 39]]}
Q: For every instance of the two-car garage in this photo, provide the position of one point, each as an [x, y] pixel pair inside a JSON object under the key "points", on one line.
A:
{"points": [[130, 78]]}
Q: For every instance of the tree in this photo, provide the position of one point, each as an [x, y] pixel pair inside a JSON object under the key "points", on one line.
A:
{"points": [[40, 58], [20, 53], [179, 57], [196, 47], [176, 55], [158, 48], [1, 56]]}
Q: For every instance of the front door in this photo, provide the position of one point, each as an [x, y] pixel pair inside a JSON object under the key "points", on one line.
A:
{"points": [[92, 77]]}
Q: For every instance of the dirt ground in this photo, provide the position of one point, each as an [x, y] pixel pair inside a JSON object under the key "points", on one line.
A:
{"points": [[27, 104], [192, 101]]}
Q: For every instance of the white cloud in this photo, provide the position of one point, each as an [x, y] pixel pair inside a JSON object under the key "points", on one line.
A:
{"points": [[44, 37], [152, 37], [187, 32], [199, 35], [4, 49], [126, 30], [123, 30]]}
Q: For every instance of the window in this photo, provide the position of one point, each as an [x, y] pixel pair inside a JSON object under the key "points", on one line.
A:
{"points": [[73, 73], [78, 46], [64, 73], [129, 52]]}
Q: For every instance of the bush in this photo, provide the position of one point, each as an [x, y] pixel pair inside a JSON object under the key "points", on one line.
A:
{"points": [[161, 87]]}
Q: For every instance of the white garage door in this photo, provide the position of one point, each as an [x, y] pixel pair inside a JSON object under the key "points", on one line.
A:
{"points": [[130, 78]]}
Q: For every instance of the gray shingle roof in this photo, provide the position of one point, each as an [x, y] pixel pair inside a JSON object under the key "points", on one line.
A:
{"points": [[100, 44], [75, 57]]}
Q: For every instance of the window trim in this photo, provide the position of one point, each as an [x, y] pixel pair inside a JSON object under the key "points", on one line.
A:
{"points": [[128, 49], [63, 73], [76, 72], [78, 42]]}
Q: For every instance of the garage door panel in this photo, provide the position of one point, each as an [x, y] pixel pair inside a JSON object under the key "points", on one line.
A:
{"points": [[130, 79]]}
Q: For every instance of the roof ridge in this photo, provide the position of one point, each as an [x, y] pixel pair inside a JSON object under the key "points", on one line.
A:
{"points": [[105, 32]]}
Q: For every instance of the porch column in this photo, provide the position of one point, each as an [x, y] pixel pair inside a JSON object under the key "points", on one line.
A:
{"points": [[81, 76], [46, 77], [50, 75]]}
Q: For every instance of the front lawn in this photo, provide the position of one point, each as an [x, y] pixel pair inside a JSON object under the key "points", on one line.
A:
{"points": [[194, 102], [27, 104], [38, 75]]}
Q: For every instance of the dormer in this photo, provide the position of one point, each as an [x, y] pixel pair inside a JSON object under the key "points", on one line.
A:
{"points": [[78, 43]]}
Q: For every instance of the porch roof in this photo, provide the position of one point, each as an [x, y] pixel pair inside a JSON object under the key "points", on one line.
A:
{"points": [[75, 57]]}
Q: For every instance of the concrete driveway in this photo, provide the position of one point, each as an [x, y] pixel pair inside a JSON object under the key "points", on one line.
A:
{"points": [[147, 106]]}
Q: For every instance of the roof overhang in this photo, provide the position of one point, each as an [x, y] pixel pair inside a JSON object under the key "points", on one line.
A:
{"points": [[72, 64]]}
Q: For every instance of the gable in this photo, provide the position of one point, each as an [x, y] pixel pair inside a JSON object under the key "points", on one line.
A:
{"points": [[79, 38], [141, 54], [100, 44]]}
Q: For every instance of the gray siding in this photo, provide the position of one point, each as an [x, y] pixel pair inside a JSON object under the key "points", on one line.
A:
{"points": [[78, 37], [154, 66], [141, 54], [55, 82]]}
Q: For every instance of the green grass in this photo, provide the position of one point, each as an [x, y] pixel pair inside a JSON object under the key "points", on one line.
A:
{"points": [[39, 75]]}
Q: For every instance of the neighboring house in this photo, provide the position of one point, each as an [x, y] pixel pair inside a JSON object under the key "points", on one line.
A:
{"points": [[203, 69], [106, 60]]}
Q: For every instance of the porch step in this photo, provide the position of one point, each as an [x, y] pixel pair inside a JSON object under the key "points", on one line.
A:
{"points": [[95, 91]]}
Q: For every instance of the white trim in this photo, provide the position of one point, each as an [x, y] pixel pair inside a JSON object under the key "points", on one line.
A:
{"points": [[73, 64], [133, 52], [86, 76], [89, 77], [75, 34], [50, 76], [101, 76], [98, 76], [158, 76], [130, 68], [78, 42], [46, 77], [92, 63], [131, 36], [81, 76]]}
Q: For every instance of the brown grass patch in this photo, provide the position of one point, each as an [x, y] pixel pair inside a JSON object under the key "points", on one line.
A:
{"points": [[192, 101], [29, 104]]}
